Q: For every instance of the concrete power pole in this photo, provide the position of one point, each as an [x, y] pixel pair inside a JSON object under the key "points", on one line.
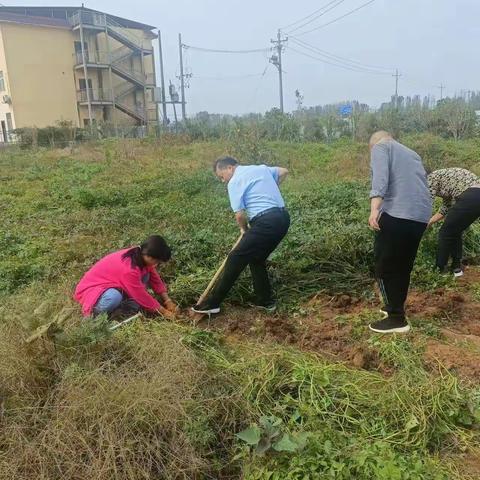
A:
{"points": [[277, 61], [397, 76], [441, 87], [162, 79], [182, 77]]}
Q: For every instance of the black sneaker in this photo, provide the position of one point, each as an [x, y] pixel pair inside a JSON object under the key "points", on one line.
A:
{"points": [[390, 325], [206, 309], [269, 307]]}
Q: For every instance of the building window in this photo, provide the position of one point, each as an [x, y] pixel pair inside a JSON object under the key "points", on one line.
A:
{"points": [[78, 47], [83, 83], [9, 122], [2, 82]]}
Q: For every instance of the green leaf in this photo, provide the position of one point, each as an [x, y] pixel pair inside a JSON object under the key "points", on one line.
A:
{"points": [[285, 444], [301, 439], [250, 435], [412, 423], [263, 446]]}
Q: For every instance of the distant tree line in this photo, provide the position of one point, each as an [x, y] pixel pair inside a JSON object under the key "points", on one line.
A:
{"points": [[453, 117]]}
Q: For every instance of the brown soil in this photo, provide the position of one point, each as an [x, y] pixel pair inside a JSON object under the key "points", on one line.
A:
{"points": [[469, 465], [455, 358], [317, 331], [322, 330]]}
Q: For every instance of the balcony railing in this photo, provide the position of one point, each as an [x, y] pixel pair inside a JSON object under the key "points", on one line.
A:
{"points": [[96, 95], [96, 58], [95, 19], [101, 20], [106, 58]]}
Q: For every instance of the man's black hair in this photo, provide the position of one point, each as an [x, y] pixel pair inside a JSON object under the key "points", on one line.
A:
{"points": [[224, 162]]}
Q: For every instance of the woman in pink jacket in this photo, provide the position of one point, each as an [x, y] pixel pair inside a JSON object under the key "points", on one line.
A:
{"points": [[118, 283]]}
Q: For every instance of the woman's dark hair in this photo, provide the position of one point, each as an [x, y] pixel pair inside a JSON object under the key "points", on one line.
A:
{"points": [[154, 246]]}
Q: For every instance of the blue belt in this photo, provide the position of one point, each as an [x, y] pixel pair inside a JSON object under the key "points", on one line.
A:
{"points": [[268, 210]]}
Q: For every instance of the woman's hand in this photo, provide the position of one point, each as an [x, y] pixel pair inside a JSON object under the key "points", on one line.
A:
{"points": [[171, 306], [436, 218], [166, 313]]}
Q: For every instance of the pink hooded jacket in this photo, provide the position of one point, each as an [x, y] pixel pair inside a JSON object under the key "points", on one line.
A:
{"points": [[113, 271]]}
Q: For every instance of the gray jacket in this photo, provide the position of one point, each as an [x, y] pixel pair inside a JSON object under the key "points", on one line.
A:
{"points": [[398, 176]]}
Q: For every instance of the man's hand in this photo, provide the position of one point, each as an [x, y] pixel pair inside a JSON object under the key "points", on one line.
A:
{"points": [[436, 218], [282, 174], [376, 203], [373, 220], [242, 221]]}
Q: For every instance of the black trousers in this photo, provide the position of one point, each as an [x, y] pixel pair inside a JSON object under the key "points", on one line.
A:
{"points": [[396, 246], [460, 216], [264, 235]]}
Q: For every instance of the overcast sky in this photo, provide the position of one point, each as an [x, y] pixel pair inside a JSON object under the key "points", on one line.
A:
{"points": [[431, 42]]}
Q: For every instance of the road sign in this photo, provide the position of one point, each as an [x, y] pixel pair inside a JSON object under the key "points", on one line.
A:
{"points": [[346, 110]]}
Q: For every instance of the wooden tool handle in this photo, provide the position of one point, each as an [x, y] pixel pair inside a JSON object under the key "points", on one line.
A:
{"points": [[213, 281]]}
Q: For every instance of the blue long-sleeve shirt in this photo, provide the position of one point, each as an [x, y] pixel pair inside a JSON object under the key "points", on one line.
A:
{"points": [[398, 176]]}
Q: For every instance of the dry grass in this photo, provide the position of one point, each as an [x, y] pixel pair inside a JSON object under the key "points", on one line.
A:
{"points": [[132, 416]]}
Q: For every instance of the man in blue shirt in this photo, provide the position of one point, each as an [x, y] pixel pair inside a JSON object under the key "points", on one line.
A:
{"points": [[263, 220]]}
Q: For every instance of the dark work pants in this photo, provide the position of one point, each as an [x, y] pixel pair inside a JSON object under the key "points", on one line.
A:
{"points": [[459, 217], [396, 246], [263, 236]]}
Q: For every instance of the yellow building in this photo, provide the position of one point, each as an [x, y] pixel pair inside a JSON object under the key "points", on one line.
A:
{"points": [[76, 65]]}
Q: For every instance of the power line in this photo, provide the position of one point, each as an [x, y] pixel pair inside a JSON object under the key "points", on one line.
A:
{"points": [[338, 58], [211, 50], [336, 4], [308, 16], [228, 77], [352, 68], [337, 19]]}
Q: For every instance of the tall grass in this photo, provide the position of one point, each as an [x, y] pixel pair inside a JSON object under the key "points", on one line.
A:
{"points": [[159, 401]]}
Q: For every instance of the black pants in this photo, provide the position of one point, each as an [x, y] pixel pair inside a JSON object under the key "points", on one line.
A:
{"points": [[264, 235], [396, 246], [460, 216]]}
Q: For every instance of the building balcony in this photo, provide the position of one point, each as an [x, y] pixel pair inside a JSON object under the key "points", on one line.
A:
{"points": [[98, 96], [115, 60]]}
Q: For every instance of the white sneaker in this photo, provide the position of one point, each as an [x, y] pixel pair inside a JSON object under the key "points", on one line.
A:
{"points": [[458, 272]]}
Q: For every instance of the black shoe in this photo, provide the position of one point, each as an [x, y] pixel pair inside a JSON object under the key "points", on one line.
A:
{"points": [[269, 307], [206, 309], [390, 325]]}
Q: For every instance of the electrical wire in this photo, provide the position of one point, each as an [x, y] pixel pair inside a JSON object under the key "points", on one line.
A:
{"points": [[336, 4], [338, 58], [340, 65], [336, 19], [211, 50], [308, 16], [229, 77]]}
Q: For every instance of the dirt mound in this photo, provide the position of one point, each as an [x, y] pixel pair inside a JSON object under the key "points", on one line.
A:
{"points": [[318, 331], [441, 304], [464, 362]]}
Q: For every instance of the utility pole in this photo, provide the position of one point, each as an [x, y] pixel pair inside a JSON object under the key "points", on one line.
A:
{"points": [[162, 78], [397, 76], [182, 77], [441, 87], [85, 73], [277, 61], [174, 101]]}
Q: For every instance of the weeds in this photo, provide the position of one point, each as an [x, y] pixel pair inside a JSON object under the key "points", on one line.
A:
{"points": [[165, 401]]}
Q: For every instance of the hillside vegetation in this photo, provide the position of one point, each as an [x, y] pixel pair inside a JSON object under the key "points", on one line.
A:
{"points": [[305, 394]]}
